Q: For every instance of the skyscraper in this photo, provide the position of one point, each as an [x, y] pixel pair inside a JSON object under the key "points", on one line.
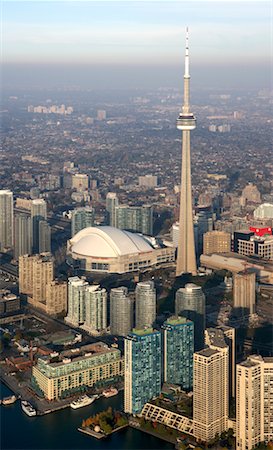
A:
{"points": [[38, 213], [142, 369], [186, 260], [178, 341], [44, 236], [22, 235], [76, 301], [6, 219], [134, 218], [254, 394], [190, 302], [111, 203], [121, 311], [145, 304], [244, 294], [210, 388], [81, 218], [95, 309], [43, 273]]}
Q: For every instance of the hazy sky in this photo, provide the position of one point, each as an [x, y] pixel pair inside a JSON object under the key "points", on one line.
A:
{"points": [[41, 36]]}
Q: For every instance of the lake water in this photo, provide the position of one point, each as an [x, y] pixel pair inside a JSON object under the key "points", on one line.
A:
{"points": [[58, 430]]}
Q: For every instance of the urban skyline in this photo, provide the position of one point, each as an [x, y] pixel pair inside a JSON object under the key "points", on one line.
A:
{"points": [[133, 287]]}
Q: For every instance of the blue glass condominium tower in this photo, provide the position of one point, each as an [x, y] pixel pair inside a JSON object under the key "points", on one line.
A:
{"points": [[178, 338], [142, 369]]}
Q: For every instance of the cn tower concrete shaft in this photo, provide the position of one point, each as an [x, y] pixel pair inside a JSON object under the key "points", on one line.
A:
{"points": [[186, 259]]}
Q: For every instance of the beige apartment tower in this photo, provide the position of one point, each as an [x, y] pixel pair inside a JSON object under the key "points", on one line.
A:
{"points": [[26, 274], [35, 272], [186, 122], [216, 242], [254, 412], [210, 387], [244, 292], [56, 297]]}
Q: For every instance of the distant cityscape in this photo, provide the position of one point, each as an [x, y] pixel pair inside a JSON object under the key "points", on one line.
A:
{"points": [[116, 274]]}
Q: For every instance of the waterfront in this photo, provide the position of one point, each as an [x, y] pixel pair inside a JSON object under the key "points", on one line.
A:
{"points": [[58, 430]]}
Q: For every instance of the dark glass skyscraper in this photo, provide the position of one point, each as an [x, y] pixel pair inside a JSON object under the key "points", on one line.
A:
{"points": [[142, 370], [178, 341]]}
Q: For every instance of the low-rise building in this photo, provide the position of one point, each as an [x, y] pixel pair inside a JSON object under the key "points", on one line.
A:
{"points": [[66, 372]]}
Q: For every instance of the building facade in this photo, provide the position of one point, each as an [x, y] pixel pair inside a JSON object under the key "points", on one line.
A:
{"points": [[121, 311], [81, 218], [142, 369], [38, 214], [145, 304], [254, 411], [111, 204], [56, 297], [68, 372], [95, 309], [76, 301], [244, 292], [135, 218], [178, 342], [216, 242], [190, 302], [22, 235], [6, 219], [210, 387]]}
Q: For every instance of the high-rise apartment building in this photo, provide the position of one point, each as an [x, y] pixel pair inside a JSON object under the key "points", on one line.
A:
{"points": [[134, 218], [38, 213], [190, 302], [219, 337], [142, 369], [216, 242], [210, 387], [145, 294], [43, 273], [121, 311], [111, 204], [186, 260], [44, 237], [22, 235], [178, 341], [254, 402], [6, 219], [26, 274], [95, 309], [56, 297], [244, 294], [81, 218], [87, 306], [76, 301]]}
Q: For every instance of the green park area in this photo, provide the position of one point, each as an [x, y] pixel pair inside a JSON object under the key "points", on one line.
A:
{"points": [[105, 422]]}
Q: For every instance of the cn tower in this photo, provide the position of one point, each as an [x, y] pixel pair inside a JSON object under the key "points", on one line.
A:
{"points": [[186, 260]]}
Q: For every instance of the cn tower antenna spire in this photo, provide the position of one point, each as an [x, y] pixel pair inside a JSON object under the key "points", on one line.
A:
{"points": [[187, 61], [186, 122]]}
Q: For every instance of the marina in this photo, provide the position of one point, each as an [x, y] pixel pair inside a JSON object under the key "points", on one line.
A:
{"points": [[62, 427]]}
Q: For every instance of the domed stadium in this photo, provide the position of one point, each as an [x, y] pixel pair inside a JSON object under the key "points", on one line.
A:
{"points": [[109, 249]]}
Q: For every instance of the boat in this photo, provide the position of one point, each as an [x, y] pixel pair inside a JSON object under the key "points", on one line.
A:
{"points": [[9, 400], [28, 408], [109, 392], [83, 401]]}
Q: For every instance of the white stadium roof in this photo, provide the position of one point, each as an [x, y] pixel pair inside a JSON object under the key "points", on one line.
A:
{"points": [[108, 242]]}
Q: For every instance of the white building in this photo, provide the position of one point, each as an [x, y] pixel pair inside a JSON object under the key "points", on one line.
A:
{"points": [[95, 309], [254, 411], [6, 219], [264, 211]]}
